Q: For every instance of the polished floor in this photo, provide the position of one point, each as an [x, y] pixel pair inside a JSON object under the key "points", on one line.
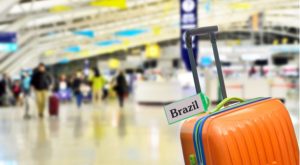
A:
{"points": [[102, 134]]}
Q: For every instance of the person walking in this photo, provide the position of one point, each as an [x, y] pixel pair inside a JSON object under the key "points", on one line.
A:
{"points": [[98, 83], [17, 92], [77, 85], [2, 90], [8, 82], [252, 71], [40, 82], [121, 87], [9, 98], [26, 89], [26, 83]]}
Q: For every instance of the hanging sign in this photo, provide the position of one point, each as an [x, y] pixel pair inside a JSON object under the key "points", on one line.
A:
{"points": [[152, 51], [188, 20], [8, 37], [8, 42]]}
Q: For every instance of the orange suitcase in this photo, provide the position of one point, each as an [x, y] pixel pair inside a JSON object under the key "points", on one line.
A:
{"points": [[186, 137], [255, 132], [258, 131]]}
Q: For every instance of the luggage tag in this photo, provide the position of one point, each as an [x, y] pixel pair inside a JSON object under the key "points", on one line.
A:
{"points": [[186, 108]]}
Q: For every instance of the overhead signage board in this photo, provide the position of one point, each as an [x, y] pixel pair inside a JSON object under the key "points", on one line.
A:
{"points": [[108, 43], [60, 8], [8, 42], [8, 37], [73, 49], [130, 32], [109, 3], [85, 33], [188, 20], [8, 47]]}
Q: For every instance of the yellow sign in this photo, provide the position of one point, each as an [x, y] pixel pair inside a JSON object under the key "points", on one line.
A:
{"points": [[60, 8], [152, 51], [234, 42], [49, 52], [167, 8], [275, 42], [113, 63], [84, 53], [109, 3], [126, 43], [240, 5], [156, 30], [284, 40]]}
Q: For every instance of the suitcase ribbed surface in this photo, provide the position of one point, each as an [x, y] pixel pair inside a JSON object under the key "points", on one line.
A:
{"points": [[186, 137], [256, 135]]}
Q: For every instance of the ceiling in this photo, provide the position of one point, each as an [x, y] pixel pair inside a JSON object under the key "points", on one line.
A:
{"points": [[46, 28]]}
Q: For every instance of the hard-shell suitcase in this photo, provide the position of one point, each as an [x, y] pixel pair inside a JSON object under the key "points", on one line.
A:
{"points": [[255, 132], [186, 137], [53, 105]]}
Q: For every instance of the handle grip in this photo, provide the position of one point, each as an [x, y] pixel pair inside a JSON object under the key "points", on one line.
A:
{"points": [[201, 31], [225, 101]]}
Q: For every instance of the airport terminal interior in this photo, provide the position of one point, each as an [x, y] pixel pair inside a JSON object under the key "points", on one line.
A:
{"points": [[86, 82]]}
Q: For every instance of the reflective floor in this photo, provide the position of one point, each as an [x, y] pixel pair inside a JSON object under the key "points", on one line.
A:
{"points": [[94, 135], [101, 134]]}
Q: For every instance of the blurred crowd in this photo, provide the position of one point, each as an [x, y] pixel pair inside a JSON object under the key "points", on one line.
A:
{"points": [[83, 88]]}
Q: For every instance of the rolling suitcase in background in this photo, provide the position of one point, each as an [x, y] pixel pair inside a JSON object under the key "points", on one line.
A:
{"points": [[255, 132], [53, 105]]}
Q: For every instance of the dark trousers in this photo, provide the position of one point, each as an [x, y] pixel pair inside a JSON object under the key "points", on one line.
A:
{"points": [[121, 99], [104, 94], [79, 99], [27, 92], [2, 99]]}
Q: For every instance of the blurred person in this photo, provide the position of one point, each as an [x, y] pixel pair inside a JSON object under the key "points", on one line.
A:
{"points": [[2, 90], [26, 84], [63, 90], [252, 71], [55, 84], [7, 80], [68, 81], [105, 91], [120, 86], [77, 85], [98, 83], [8, 98], [26, 91], [261, 71], [86, 91], [17, 92], [62, 82], [132, 79], [40, 82]]}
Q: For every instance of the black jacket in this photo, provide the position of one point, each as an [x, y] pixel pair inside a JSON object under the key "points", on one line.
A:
{"points": [[121, 84], [2, 87], [40, 80], [76, 85]]}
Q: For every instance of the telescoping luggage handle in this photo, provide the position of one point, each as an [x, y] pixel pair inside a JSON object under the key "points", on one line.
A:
{"points": [[210, 30]]}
